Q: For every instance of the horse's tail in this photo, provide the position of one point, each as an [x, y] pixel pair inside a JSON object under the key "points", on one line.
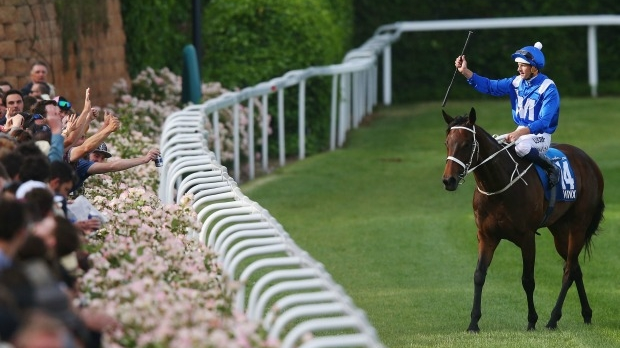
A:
{"points": [[597, 218]]}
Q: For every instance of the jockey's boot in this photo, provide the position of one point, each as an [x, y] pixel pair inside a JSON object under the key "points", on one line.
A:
{"points": [[553, 172]]}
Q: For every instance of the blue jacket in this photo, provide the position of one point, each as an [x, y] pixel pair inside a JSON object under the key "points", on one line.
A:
{"points": [[535, 103]]}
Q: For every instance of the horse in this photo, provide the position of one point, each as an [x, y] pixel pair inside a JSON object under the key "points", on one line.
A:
{"points": [[509, 203]]}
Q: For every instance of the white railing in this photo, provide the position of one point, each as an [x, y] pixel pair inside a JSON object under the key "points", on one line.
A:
{"points": [[281, 287], [294, 294]]}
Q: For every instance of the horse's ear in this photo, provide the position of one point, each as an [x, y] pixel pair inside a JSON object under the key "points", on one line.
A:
{"points": [[472, 116], [447, 117]]}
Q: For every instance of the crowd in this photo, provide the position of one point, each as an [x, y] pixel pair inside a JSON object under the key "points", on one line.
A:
{"points": [[47, 152]]}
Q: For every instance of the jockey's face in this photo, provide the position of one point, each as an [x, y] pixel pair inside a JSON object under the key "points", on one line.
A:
{"points": [[526, 71]]}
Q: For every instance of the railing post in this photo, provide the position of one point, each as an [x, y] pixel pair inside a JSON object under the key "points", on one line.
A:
{"points": [[237, 152], [251, 137], [387, 75], [265, 132], [592, 61], [302, 119], [333, 113], [281, 127]]}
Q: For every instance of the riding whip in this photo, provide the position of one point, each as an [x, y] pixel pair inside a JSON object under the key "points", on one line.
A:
{"points": [[455, 70]]}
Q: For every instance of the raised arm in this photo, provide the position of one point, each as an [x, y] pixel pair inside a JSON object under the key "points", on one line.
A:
{"points": [[111, 124], [79, 127]]}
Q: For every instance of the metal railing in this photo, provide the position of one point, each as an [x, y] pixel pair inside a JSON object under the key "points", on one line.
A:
{"points": [[281, 287]]}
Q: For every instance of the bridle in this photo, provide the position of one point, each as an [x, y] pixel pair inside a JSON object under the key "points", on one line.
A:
{"points": [[475, 153]]}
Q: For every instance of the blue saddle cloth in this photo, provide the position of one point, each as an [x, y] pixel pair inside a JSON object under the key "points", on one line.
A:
{"points": [[566, 188]]}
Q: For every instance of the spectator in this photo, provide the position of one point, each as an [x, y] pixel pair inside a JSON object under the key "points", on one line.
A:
{"points": [[7, 144], [50, 123], [13, 231], [97, 164], [21, 135], [29, 102], [5, 86], [14, 102], [42, 330], [62, 180], [40, 90], [12, 161], [34, 172], [64, 104], [38, 73]]}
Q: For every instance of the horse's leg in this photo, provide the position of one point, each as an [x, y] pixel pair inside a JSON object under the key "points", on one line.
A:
{"points": [[569, 248], [528, 253], [556, 313], [586, 310], [486, 248]]}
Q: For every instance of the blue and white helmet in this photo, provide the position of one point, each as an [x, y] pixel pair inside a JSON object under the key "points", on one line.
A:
{"points": [[531, 55]]}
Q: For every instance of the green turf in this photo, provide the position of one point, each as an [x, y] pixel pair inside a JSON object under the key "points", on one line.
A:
{"points": [[375, 213]]}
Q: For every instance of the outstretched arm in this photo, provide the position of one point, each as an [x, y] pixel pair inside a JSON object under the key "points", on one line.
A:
{"points": [[122, 164]]}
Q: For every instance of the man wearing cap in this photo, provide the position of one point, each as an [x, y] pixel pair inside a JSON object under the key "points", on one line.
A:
{"points": [[97, 164], [535, 105], [100, 154]]}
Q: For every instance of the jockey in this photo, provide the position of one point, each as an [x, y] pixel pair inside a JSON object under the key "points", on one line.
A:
{"points": [[535, 105]]}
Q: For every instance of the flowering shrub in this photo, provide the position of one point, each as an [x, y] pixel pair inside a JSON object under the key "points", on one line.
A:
{"points": [[164, 288], [152, 96]]}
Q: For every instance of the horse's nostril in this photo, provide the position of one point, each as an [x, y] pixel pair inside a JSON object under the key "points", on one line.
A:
{"points": [[449, 183]]}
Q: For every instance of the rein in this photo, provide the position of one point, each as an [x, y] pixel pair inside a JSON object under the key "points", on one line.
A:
{"points": [[476, 152]]}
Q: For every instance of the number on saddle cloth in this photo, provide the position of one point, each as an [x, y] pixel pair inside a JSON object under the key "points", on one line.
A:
{"points": [[567, 190]]}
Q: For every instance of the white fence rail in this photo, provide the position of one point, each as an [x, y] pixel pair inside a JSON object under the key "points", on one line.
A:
{"points": [[282, 286]]}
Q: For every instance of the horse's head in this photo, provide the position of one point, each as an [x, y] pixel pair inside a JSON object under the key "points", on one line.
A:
{"points": [[462, 146]]}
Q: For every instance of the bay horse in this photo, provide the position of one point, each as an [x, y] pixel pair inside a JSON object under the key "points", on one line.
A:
{"points": [[509, 203]]}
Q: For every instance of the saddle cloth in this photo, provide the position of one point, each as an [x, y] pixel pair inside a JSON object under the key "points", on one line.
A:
{"points": [[567, 187]]}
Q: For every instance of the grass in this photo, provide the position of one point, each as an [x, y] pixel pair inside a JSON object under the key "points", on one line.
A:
{"points": [[375, 213]]}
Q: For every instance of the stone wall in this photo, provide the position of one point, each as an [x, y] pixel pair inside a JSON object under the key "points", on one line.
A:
{"points": [[29, 32]]}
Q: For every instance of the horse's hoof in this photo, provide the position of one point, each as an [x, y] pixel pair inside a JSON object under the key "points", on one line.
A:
{"points": [[531, 327], [551, 326], [473, 329]]}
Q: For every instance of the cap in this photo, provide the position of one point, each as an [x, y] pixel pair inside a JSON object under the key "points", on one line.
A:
{"points": [[44, 146], [63, 103], [531, 55], [103, 149], [28, 186]]}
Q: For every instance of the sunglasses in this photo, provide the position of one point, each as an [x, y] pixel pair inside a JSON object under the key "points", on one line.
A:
{"points": [[64, 104], [526, 54]]}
